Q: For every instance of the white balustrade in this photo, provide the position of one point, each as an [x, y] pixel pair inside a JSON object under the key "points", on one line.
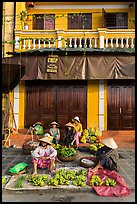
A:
{"points": [[80, 44], [95, 42], [127, 43], [90, 42], [85, 43], [44, 44], [117, 42], [132, 44], [39, 46], [106, 42], [59, 42], [75, 42], [70, 44], [111, 42], [122, 45]]}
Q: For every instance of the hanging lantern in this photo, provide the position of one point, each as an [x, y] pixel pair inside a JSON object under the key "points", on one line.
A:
{"points": [[30, 4]]}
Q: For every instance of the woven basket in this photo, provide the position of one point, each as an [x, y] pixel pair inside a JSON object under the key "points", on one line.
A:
{"points": [[27, 149], [71, 158]]}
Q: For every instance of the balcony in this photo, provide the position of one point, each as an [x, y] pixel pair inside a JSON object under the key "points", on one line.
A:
{"points": [[100, 38]]}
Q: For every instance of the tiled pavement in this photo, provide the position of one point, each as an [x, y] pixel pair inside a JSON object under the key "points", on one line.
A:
{"points": [[12, 156]]}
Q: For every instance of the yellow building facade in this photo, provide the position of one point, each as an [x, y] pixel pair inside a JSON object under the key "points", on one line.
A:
{"points": [[28, 38]]}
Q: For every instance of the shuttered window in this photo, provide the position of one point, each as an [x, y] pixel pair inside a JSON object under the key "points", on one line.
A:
{"points": [[80, 21], [44, 22], [117, 20]]}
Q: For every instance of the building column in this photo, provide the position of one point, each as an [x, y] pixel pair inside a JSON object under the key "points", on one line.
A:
{"points": [[16, 106]]}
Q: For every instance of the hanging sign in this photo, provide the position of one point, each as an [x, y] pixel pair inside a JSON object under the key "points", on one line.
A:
{"points": [[52, 64]]}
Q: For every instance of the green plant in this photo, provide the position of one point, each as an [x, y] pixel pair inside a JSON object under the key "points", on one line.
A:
{"points": [[19, 183], [67, 152]]}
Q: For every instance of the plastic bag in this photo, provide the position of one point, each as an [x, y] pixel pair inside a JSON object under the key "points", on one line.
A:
{"points": [[18, 167], [121, 188]]}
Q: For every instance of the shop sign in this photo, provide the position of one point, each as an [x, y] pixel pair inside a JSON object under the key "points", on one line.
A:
{"points": [[52, 63]]}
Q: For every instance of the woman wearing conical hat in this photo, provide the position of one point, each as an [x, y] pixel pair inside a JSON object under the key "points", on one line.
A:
{"points": [[55, 132], [78, 130], [69, 134], [107, 156], [44, 155]]}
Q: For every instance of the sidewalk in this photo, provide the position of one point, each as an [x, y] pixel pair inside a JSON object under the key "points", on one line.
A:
{"points": [[12, 156]]}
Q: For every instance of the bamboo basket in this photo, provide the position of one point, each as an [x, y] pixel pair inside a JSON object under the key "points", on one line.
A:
{"points": [[67, 159]]}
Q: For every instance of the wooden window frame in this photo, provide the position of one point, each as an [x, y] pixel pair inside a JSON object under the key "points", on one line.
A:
{"points": [[77, 21]]}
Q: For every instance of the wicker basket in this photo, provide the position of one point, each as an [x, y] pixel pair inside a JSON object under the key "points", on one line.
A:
{"points": [[71, 158], [27, 148]]}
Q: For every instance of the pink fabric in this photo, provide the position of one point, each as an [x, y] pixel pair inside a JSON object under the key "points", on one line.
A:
{"points": [[42, 163], [76, 137], [121, 188]]}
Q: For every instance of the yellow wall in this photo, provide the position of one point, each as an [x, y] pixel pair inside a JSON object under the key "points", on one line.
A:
{"points": [[8, 27], [92, 104]]}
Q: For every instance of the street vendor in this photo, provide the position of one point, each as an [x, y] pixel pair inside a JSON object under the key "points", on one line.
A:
{"points": [[55, 132], [44, 155], [78, 130], [69, 133], [107, 156]]}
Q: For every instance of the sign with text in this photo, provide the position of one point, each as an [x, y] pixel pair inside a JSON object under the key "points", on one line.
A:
{"points": [[52, 64]]}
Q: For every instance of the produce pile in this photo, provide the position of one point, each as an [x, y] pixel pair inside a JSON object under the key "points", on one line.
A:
{"points": [[38, 180], [3, 180], [92, 135], [65, 151], [61, 177], [19, 183], [95, 147], [97, 181]]}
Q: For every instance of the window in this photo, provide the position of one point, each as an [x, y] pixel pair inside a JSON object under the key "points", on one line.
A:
{"points": [[44, 22], [117, 20], [80, 21]]}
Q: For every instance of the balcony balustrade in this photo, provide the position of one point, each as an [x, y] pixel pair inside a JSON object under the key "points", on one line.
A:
{"points": [[101, 38]]}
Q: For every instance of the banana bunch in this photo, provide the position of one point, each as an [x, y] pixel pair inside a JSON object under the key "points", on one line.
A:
{"points": [[64, 177], [96, 181], [92, 139], [3, 180], [37, 180], [85, 135], [110, 182], [93, 147]]}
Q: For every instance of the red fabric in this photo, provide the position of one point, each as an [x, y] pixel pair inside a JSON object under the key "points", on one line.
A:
{"points": [[121, 188]]}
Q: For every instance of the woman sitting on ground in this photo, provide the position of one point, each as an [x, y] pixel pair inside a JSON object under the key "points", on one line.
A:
{"points": [[44, 155], [69, 134], [107, 157], [55, 132]]}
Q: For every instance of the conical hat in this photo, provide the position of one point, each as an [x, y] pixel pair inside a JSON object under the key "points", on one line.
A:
{"points": [[69, 125], [54, 123], [109, 142], [76, 118], [46, 139]]}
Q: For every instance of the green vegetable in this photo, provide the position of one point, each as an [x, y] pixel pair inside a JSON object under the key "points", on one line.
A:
{"points": [[66, 152], [19, 183]]}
